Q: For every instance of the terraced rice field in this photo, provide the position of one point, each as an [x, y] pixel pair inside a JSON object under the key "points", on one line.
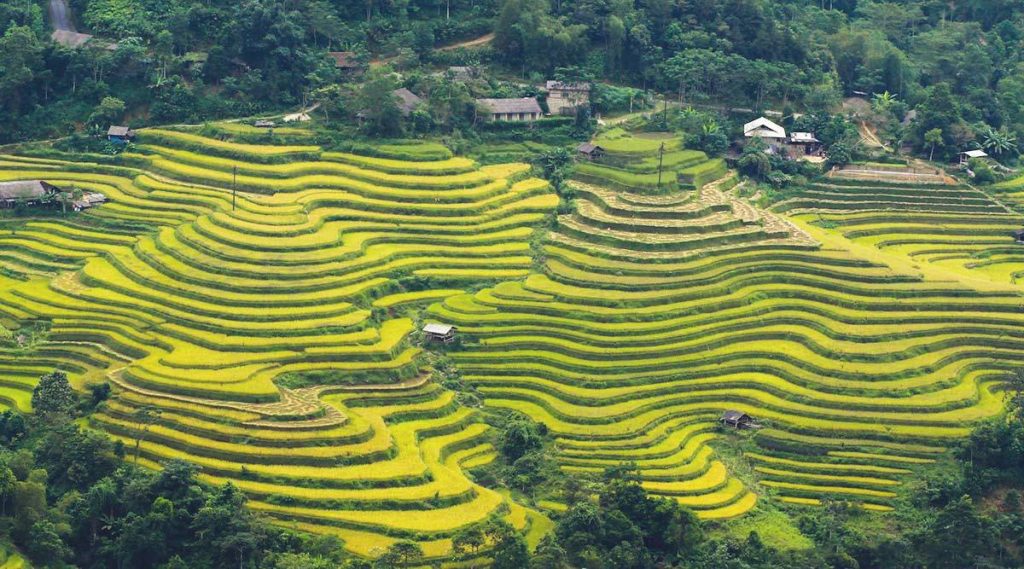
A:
{"points": [[194, 307], [633, 163], [276, 336], [654, 313], [950, 226]]}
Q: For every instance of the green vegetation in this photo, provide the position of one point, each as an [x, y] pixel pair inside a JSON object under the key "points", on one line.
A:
{"points": [[249, 311]]}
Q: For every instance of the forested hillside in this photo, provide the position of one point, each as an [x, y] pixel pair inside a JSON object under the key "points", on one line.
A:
{"points": [[190, 61]]}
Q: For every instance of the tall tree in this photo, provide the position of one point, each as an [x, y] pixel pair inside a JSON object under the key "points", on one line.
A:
{"points": [[53, 396]]}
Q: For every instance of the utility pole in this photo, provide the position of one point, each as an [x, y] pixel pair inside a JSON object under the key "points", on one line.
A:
{"points": [[661, 160], [234, 183]]}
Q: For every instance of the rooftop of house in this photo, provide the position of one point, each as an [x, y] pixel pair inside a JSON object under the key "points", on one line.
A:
{"points": [[407, 100], [23, 189], [506, 106], [764, 128], [566, 86], [803, 137], [732, 415], [440, 329]]}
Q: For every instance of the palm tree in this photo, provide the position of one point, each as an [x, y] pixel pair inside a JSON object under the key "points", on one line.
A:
{"points": [[882, 102], [998, 141]]}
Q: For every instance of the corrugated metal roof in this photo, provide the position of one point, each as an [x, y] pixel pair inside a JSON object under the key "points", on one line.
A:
{"points": [[442, 329], [765, 128]]}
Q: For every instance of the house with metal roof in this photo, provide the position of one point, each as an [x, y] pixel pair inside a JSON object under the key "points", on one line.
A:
{"points": [[764, 128], [120, 134], [440, 333]]}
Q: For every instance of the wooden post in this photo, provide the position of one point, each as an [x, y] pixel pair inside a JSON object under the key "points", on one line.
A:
{"points": [[661, 160], [234, 180]]}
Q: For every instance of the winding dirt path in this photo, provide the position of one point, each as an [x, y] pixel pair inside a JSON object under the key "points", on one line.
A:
{"points": [[484, 39], [475, 42]]}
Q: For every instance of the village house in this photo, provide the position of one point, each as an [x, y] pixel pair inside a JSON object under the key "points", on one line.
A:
{"points": [[440, 333], [589, 151], [407, 101], [765, 129], [524, 109], [803, 144], [27, 192], [565, 98], [121, 134]]}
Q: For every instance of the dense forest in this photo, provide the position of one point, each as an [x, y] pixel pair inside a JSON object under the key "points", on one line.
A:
{"points": [[958, 65]]}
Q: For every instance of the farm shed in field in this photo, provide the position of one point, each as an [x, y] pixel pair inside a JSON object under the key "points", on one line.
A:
{"points": [[264, 124], [88, 200], [440, 333], [564, 98], [966, 157], [28, 192], [1018, 235], [524, 109], [736, 419], [120, 134], [589, 150], [764, 128]]}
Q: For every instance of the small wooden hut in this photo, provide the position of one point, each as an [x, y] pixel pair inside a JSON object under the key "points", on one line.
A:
{"points": [[120, 134], [590, 151], [736, 420], [440, 333]]}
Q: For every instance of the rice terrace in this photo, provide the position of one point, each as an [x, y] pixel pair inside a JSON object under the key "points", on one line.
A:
{"points": [[258, 309]]}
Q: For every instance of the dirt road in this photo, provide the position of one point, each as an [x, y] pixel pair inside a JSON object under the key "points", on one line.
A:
{"points": [[468, 43]]}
